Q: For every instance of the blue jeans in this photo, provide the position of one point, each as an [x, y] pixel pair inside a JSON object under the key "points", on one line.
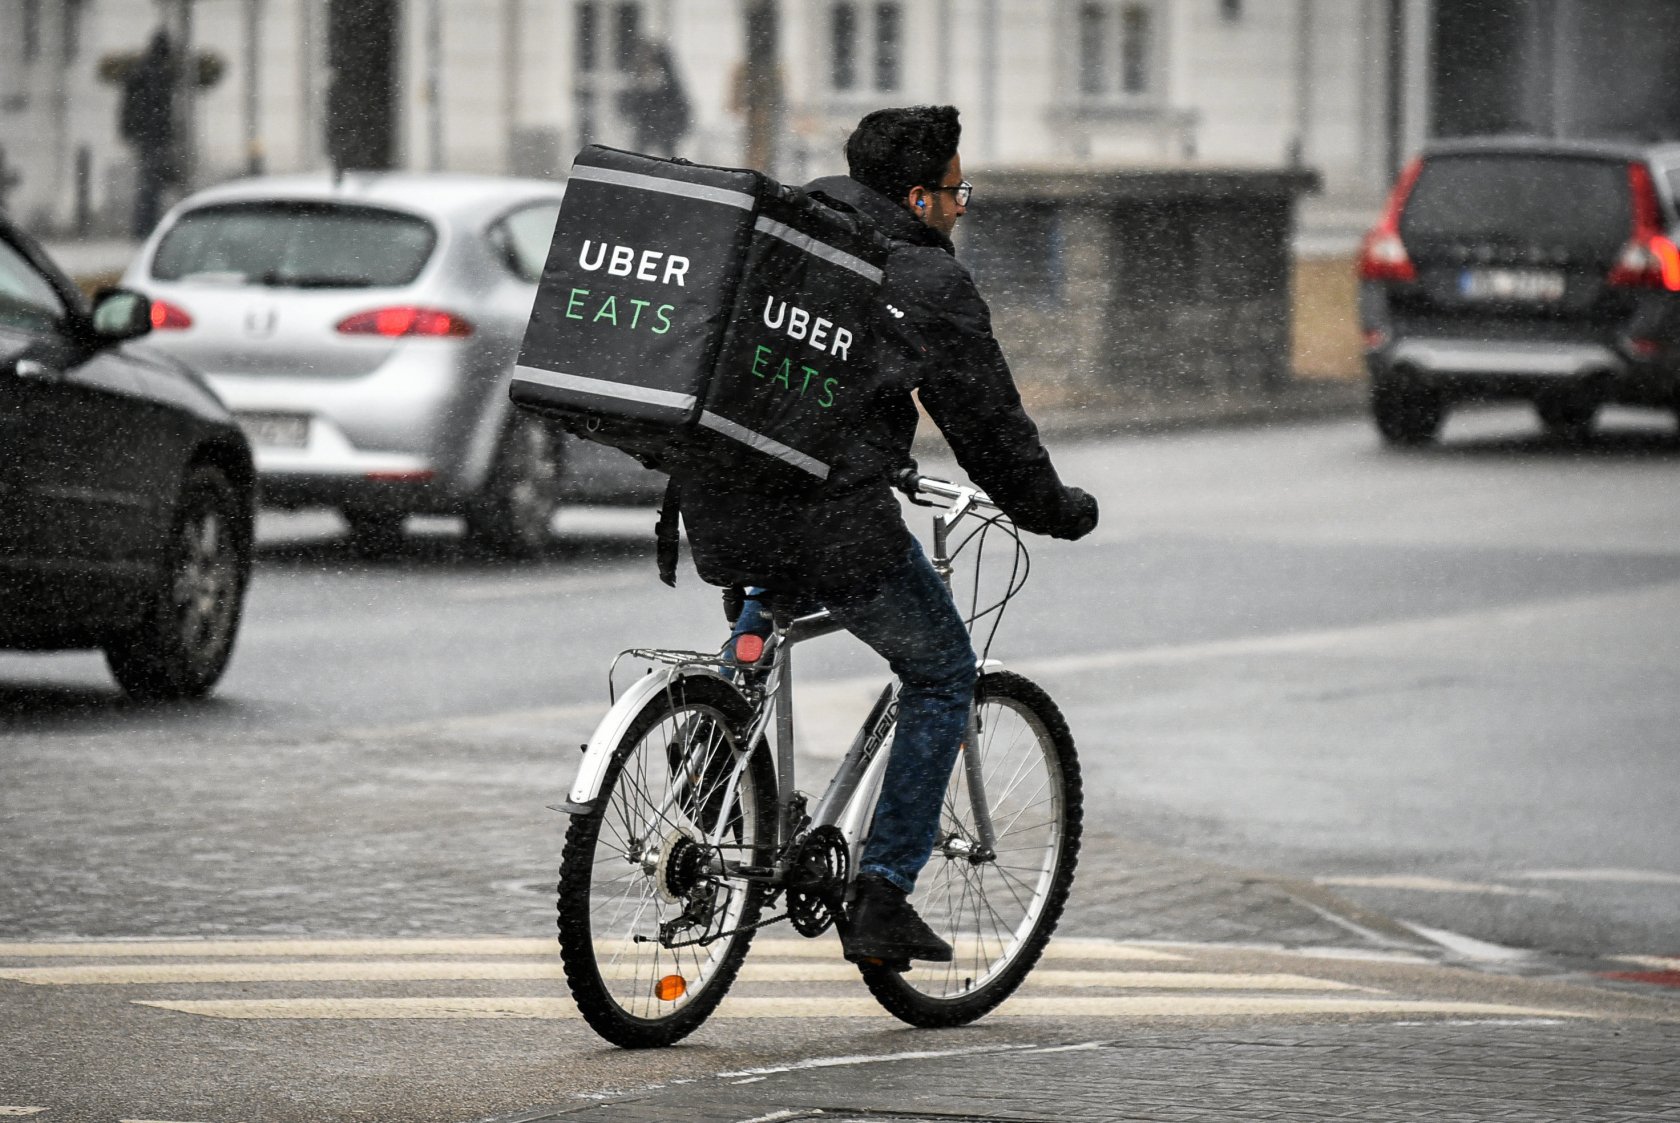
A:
{"points": [[912, 623]]}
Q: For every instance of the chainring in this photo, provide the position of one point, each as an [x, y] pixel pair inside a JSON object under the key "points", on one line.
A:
{"points": [[817, 880]]}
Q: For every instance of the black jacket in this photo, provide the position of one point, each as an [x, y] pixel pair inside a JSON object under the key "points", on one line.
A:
{"points": [[936, 341]]}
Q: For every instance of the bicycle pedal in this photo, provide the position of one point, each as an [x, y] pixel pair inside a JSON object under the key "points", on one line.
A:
{"points": [[899, 965]]}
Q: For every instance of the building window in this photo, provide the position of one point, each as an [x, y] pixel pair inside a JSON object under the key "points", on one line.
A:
{"points": [[1116, 50], [843, 33], [609, 45], [31, 16], [866, 39], [607, 35], [71, 40]]}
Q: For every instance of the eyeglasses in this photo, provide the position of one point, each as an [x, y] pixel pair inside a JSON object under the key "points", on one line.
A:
{"points": [[964, 191]]}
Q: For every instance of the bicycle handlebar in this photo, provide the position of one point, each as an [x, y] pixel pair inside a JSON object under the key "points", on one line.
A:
{"points": [[913, 484]]}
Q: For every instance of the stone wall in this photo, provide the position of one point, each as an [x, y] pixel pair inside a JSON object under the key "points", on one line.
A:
{"points": [[1142, 285]]}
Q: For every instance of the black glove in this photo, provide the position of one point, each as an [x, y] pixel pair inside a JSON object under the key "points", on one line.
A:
{"points": [[1079, 514]]}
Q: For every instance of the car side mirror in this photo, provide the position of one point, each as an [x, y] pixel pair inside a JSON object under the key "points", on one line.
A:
{"points": [[120, 314]]}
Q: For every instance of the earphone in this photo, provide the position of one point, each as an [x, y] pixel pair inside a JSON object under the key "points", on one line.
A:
{"points": [[922, 203]]}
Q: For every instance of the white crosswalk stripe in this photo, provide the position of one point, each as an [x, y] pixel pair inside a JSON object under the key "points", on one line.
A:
{"points": [[783, 978]]}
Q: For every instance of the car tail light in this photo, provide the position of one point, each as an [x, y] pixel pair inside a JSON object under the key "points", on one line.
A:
{"points": [[1650, 260], [169, 317], [406, 320], [1383, 255]]}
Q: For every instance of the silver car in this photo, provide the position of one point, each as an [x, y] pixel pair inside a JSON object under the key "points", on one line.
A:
{"points": [[363, 330]]}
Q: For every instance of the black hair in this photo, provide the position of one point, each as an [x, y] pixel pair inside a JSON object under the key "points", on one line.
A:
{"points": [[893, 150]]}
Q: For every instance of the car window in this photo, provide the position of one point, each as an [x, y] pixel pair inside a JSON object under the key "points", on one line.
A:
{"points": [[1520, 198], [1674, 187], [304, 245], [27, 301], [521, 239]]}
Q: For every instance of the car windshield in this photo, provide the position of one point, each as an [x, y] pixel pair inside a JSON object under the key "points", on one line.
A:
{"points": [[1518, 198], [300, 245]]}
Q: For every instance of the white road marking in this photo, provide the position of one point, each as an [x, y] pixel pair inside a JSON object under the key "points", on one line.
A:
{"points": [[1424, 884], [102, 949], [1657, 962], [152, 974], [15, 1111], [1469, 947], [547, 587], [1628, 877], [1023, 1006], [781, 947]]}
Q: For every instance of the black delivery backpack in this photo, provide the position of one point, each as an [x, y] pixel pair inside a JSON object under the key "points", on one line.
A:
{"points": [[704, 319]]}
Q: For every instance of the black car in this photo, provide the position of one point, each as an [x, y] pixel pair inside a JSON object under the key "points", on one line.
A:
{"points": [[1516, 268], [126, 488]]}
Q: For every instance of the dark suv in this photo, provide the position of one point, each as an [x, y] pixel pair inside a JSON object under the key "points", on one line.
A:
{"points": [[1535, 270]]}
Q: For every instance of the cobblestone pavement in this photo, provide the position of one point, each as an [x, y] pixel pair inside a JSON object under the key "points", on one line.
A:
{"points": [[1536, 1072]]}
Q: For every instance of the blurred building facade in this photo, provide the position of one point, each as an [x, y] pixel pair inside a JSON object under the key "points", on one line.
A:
{"points": [[1346, 87]]}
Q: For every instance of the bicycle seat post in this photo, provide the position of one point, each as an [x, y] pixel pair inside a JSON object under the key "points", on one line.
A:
{"points": [[781, 613]]}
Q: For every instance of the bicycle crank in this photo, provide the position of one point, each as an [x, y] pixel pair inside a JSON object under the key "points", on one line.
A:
{"points": [[816, 880]]}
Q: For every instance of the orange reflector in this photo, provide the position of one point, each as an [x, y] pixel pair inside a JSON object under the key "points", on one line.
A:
{"points": [[749, 648], [670, 988]]}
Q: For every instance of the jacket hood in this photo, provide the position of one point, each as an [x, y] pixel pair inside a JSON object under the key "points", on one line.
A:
{"points": [[894, 220]]}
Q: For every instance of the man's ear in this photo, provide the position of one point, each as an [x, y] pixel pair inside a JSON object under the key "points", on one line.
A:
{"points": [[917, 200]]}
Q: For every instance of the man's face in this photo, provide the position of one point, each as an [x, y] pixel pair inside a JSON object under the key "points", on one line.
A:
{"points": [[939, 208]]}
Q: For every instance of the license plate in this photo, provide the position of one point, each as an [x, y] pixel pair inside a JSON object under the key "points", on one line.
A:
{"points": [[1535, 286], [275, 430]]}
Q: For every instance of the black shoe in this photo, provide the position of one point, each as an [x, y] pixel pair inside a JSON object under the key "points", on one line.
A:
{"points": [[881, 925]]}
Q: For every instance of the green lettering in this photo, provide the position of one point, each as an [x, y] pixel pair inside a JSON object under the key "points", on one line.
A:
{"points": [[828, 388], [609, 309], [759, 354], [808, 375], [640, 304], [663, 319], [782, 375], [576, 298]]}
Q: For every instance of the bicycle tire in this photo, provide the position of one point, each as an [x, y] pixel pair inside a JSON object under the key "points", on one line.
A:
{"points": [[621, 876], [998, 915]]}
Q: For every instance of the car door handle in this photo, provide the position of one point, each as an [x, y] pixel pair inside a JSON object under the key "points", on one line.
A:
{"points": [[34, 368]]}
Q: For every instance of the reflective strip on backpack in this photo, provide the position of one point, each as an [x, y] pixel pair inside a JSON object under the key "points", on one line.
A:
{"points": [[818, 249], [761, 443], [647, 395], [666, 186]]}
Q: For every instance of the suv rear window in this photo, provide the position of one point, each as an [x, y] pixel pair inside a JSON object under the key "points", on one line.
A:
{"points": [[303, 245], [1521, 198]]}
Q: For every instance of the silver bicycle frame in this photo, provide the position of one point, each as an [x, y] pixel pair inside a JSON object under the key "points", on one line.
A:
{"points": [[854, 767]]}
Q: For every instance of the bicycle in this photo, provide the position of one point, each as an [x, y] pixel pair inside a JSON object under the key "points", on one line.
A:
{"points": [[687, 827]]}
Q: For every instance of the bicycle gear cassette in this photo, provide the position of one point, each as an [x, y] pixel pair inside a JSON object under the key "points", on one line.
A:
{"points": [[817, 880]]}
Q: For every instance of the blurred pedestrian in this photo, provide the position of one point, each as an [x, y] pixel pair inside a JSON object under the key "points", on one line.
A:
{"points": [[653, 102], [147, 123]]}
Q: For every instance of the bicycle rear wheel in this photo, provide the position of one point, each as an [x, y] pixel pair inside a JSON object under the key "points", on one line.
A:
{"points": [[997, 912], [652, 926]]}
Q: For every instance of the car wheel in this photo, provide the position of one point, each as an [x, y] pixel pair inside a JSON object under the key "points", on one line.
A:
{"points": [[1406, 415], [185, 637], [1568, 417], [374, 533], [511, 517]]}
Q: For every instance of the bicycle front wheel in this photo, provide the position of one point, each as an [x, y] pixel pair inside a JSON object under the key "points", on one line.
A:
{"points": [[996, 910], [653, 921]]}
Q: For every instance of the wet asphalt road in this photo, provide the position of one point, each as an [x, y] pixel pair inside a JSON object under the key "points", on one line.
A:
{"points": [[1438, 684]]}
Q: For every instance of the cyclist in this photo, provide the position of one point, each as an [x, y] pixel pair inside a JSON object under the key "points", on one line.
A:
{"points": [[849, 550]]}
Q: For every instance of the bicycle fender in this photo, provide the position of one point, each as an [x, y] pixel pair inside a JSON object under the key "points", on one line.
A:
{"points": [[598, 753]]}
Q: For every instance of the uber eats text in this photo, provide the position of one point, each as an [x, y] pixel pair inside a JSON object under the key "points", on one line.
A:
{"points": [[815, 332], [625, 261]]}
